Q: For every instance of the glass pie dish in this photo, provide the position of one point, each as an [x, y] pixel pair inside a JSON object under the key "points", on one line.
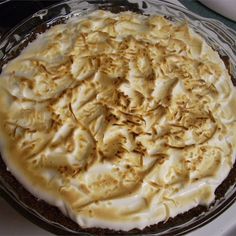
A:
{"points": [[216, 34]]}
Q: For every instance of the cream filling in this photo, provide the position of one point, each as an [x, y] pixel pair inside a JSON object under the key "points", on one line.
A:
{"points": [[120, 120]]}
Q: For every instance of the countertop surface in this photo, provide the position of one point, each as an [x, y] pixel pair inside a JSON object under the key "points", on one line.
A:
{"points": [[14, 224]]}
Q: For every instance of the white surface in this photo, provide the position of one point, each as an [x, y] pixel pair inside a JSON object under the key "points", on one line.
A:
{"points": [[226, 8], [13, 224], [224, 225]]}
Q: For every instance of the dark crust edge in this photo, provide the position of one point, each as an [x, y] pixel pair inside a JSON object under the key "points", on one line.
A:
{"points": [[53, 214]]}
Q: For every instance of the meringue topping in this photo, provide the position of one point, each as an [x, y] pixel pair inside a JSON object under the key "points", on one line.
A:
{"points": [[120, 120]]}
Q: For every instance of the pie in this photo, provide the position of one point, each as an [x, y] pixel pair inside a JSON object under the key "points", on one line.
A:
{"points": [[121, 121]]}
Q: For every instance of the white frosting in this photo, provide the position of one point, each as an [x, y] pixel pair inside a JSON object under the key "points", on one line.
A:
{"points": [[122, 121]]}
